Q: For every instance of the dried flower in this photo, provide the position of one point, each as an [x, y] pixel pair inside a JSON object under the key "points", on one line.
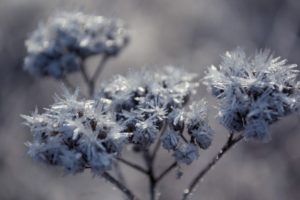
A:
{"points": [[79, 134], [60, 45], [197, 125], [254, 92], [75, 134], [186, 153]]}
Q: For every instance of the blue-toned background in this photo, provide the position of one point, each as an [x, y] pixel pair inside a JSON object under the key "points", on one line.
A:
{"points": [[184, 33]]}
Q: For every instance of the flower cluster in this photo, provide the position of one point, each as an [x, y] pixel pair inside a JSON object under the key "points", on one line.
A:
{"points": [[147, 104], [135, 109], [75, 134], [195, 122], [254, 92], [62, 44]]}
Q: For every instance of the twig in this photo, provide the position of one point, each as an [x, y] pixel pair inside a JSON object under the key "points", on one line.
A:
{"points": [[100, 68], [133, 165], [84, 74], [165, 172], [227, 146], [152, 183], [90, 81], [119, 173], [156, 148], [119, 185], [184, 139]]}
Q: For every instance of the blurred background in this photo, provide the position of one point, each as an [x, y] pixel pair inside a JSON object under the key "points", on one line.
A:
{"points": [[185, 33]]}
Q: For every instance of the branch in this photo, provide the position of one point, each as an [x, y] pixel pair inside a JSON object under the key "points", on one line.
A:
{"points": [[152, 183], [156, 148], [119, 185], [89, 82], [133, 165], [227, 146], [100, 68], [166, 171]]}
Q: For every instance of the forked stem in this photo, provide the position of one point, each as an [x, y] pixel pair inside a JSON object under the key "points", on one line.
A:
{"points": [[227, 146], [120, 186]]}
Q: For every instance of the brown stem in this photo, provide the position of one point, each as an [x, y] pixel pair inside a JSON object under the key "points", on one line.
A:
{"points": [[227, 146]]}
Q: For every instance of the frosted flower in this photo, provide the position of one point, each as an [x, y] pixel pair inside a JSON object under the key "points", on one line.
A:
{"points": [[197, 124], [254, 92], [186, 153], [143, 101], [176, 120], [75, 134], [170, 140], [60, 45], [79, 134]]}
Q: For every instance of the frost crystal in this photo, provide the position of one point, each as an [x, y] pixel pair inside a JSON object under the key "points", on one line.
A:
{"points": [[170, 140], [253, 92], [60, 45], [75, 134], [135, 109], [186, 153], [143, 101], [197, 125]]}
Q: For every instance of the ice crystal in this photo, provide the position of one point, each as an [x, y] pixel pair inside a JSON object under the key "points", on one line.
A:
{"points": [[60, 45], [135, 109], [75, 134], [143, 101], [186, 153], [197, 124], [254, 92]]}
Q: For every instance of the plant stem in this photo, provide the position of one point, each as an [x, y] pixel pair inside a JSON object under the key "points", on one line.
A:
{"points": [[120, 186], [91, 81], [133, 165], [99, 68], [165, 172], [152, 182], [227, 146], [90, 84], [156, 148]]}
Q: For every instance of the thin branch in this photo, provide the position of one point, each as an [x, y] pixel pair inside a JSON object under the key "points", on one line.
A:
{"points": [[184, 139], [90, 84], [84, 74], [133, 165], [100, 68], [165, 172], [156, 148], [119, 173], [91, 81], [120, 186], [227, 146], [152, 183]]}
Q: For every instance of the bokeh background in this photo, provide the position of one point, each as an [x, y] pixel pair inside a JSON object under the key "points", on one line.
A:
{"points": [[185, 33]]}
